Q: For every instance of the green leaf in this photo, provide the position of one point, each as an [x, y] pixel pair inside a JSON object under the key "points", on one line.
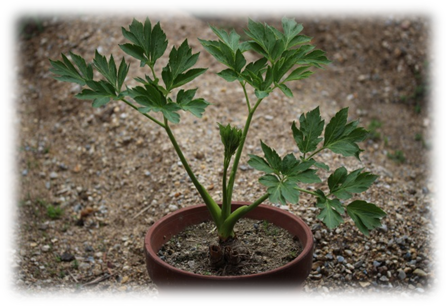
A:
{"points": [[331, 211], [280, 191], [152, 99], [291, 29], [134, 51], [66, 72], [315, 58], [148, 44], [321, 165], [308, 177], [311, 127], [286, 90], [100, 102], [341, 137], [272, 157], [365, 215], [186, 101], [122, 74], [259, 164], [298, 74], [85, 70], [229, 75], [230, 39], [175, 74], [343, 185], [187, 77]]}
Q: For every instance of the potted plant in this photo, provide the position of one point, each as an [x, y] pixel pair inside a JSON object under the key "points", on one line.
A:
{"points": [[283, 56]]}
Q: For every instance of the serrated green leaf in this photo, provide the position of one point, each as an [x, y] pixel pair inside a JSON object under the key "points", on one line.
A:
{"points": [[187, 77], [367, 216], [176, 72], [228, 74], [148, 44], [308, 177], [259, 164], [100, 102], [122, 74], [290, 29], [289, 164], [321, 166], [158, 43], [280, 191], [271, 157], [134, 51], [298, 74], [85, 70], [299, 39], [286, 90], [186, 101], [311, 127], [330, 212], [66, 73], [230, 39], [341, 137], [315, 58], [343, 185], [153, 99]]}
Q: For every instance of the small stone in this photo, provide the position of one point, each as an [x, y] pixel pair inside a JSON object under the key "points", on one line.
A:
{"points": [[45, 248], [147, 173], [401, 274], [384, 278], [98, 255], [191, 264], [173, 207], [329, 256], [420, 272], [25, 172], [67, 257], [53, 175], [269, 117], [340, 259], [364, 284], [376, 263], [84, 266]]}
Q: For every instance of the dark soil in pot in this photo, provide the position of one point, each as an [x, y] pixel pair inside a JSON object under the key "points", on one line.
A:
{"points": [[265, 247]]}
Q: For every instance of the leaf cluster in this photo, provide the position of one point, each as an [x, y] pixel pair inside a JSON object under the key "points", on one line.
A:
{"points": [[284, 56], [147, 44], [283, 176]]}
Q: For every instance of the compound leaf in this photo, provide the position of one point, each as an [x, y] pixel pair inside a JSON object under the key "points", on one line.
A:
{"points": [[331, 211], [311, 127]]}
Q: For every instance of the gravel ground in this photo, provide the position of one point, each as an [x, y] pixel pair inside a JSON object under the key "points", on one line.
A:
{"points": [[117, 172]]}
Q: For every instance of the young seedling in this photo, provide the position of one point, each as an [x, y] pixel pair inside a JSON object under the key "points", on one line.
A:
{"points": [[284, 56]]}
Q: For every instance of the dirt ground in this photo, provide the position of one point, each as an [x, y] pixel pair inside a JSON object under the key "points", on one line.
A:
{"points": [[119, 172]]}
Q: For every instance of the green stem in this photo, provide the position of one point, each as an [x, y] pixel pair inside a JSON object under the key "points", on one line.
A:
{"points": [[227, 230], [239, 152], [226, 207], [148, 116], [307, 191], [210, 203], [246, 96]]}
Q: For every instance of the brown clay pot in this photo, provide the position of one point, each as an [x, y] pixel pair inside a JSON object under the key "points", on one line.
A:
{"points": [[166, 276]]}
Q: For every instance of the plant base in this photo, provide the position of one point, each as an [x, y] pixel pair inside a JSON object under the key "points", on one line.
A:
{"points": [[292, 274]]}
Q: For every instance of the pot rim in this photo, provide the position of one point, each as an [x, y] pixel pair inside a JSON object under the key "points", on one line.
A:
{"points": [[307, 248]]}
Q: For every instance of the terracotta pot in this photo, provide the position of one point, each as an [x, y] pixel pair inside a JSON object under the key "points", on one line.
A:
{"points": [[166, 276]]}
